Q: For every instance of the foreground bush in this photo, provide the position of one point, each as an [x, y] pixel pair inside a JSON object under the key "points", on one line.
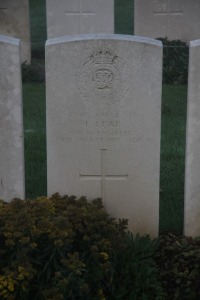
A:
{"points": [[136, 276], [178, 260], [63, 248], [55, 248]]}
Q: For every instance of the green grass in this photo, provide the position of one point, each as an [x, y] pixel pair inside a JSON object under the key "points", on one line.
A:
{"points": [[38, 21], [124, 16], [38, 27], [35, 139], [173, 126], [172, 157]]}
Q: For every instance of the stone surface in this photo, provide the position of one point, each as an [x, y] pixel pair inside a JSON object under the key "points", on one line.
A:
{"points": [[71, 17], [11, 125], [103, 123], [175, 19], [192, 171], [14, 22]]}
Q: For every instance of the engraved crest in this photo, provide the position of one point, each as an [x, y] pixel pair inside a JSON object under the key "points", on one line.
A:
{"points": [[102, 78]]}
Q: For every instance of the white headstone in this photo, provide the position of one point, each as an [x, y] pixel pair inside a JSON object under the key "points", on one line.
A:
{"points": [[174, 19], [14, 22], [192, 171], [11, 125], [69, 17], [103, 123]]}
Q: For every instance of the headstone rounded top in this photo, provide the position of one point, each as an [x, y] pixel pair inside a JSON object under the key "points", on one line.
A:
{"points": [[9, 40], [84, 37], [195, 43]]}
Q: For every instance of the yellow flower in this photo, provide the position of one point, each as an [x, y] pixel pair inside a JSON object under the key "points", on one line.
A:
{"points": [[20, 269], [11, 287], [104, 255], [58, 243], [20, 277]]}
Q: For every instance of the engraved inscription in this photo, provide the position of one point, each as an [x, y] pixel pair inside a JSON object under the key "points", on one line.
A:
{"points": [[102, 127], [103, 176], [102, 78]]}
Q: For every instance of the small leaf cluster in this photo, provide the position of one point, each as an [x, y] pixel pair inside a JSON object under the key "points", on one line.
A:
{"points": [[57, 248], [175, 61], [136, 274], [34, 72], [178, 261]]}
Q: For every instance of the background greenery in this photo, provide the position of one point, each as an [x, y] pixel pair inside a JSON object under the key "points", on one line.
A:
{"points": [[173, 115]]}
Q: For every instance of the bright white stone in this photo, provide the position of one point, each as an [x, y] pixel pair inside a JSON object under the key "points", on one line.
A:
{"points": [[69, 17], [175, 19], [192, 171], [14, 22], [11, 124], [103, 123]]}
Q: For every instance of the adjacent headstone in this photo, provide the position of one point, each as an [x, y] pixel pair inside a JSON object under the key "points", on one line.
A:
{"points": [[174, 19], [11, 124], [192, 171], [103, 123], [14, 22], [70, 17]]}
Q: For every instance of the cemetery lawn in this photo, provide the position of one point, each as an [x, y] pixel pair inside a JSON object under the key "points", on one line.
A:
{"points": [[124, 16], [174, 105], [38, 22], [172, 150], [35, 139]]}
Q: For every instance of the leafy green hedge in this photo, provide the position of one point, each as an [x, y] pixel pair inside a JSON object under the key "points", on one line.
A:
{"points": [[35, 72], [178, 260], [61, 248], [175, 61]]}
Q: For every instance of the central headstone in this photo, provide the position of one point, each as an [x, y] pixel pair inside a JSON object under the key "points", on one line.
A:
{"points": [[71, 17], [103, 123]]}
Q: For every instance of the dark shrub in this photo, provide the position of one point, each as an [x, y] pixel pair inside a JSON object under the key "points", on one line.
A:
{"points": [[34, 72], [175, 61], [135, 273], [57, 248], [178, 260], [61, 248]]}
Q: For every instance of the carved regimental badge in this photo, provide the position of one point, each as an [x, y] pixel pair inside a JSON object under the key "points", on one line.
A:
{"points": [[102, 78]]}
